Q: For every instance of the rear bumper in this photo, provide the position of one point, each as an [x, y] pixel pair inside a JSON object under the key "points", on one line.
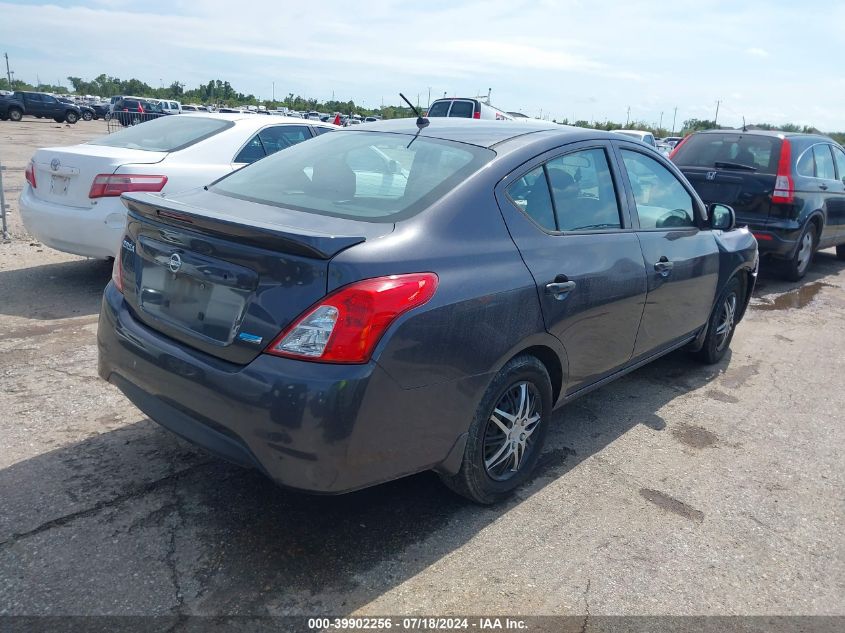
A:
{"points": [[91, 232], [310, 426], [775, 238]]}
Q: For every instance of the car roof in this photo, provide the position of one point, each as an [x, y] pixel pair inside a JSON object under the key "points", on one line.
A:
{"points": [[775, 133], [481, 132], [260, 121]]}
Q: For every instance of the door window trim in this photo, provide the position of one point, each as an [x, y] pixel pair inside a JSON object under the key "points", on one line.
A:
{"points": [[550, 155], [699, 210]]}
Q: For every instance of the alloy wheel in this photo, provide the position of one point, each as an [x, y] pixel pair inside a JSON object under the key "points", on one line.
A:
{"points": [[725, 324], [805, 251], [509, 435]]}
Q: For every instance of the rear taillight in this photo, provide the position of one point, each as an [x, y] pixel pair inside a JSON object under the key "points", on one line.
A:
{"points": [[678, 146], [345, 326], [784, 192], [476, 114], [762, 237], [109, 185], [29, 174], [117, 271]]}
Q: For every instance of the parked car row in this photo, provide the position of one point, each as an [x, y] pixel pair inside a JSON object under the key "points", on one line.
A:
{"points": [[41, 105]]}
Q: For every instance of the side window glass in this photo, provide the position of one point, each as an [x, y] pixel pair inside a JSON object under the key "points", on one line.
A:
{"points": [[824, 162], [322, 130], [662, 201], [48, 99], [839, 157], [531, 194], [584, 195], [251, 152], [806, 165], [276, 138]]}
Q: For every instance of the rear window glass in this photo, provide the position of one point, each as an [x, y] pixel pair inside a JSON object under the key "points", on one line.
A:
{"points": [[165, 134], [705, 150], [439, 108], [360, 175], [462, 109]]}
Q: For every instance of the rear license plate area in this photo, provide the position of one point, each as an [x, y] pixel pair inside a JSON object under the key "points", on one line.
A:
{"points": [[201, 295], [58, 185]]}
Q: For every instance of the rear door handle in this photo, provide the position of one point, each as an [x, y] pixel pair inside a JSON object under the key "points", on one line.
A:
{"points": [[664, 266], [823, 187], [559, 288]]}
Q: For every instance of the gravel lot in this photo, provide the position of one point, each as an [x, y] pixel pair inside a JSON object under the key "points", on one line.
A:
{"points": [[680, 489]]}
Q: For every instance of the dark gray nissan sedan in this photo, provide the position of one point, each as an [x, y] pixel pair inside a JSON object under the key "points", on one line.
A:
{"points": [[385, 300]]}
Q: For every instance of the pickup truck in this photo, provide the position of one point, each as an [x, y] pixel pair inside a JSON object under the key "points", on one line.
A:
{"points": [[41, 105]]}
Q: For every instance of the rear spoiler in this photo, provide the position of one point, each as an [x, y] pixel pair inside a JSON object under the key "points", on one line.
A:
{"points": [[150, 208]]}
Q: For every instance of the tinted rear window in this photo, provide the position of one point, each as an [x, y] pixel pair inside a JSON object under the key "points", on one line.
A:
{"points": [[705, 150], [439, 108], [462, 109], [359, 175], [165, 134]]}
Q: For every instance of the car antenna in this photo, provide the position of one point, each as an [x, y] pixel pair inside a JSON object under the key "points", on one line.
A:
{"points": [[422, 122]]}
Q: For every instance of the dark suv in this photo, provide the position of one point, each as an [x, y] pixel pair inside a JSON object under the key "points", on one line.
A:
{"points": [[788, 188], [129, 111]]}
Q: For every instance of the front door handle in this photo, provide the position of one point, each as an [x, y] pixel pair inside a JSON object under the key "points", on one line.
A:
{"points": [[560, 287], [823, 187], [664, 266]]}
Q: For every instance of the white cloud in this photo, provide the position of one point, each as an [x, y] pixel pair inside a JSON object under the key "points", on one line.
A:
{"points": [[757, 52]]}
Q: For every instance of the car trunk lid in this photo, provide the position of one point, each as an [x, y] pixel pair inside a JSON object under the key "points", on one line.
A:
{"points": [[225, 276], [64, 175]]}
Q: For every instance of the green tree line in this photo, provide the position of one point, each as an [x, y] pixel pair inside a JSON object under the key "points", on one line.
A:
{"points": [[221, 93]]}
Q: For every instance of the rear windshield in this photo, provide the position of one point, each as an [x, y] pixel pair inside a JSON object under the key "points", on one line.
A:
{"points": [[166, 134], [367, 176], [462, 109], [705, 150], [439, 108]]}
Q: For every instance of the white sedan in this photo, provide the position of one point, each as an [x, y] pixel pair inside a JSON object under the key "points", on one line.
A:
{"points": [[72, 198]]}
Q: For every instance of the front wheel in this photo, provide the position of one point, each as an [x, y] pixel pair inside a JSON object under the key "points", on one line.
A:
{"points": [[796, 268], [722, 323], [87, 116], [71, 117], [15, 115], [506, 436], [840, 251]]}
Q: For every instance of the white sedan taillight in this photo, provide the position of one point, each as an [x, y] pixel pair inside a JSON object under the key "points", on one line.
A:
{"points": [[111, 185]]}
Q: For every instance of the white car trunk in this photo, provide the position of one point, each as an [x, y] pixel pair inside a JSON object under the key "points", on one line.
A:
{"points": [[64, 175]]}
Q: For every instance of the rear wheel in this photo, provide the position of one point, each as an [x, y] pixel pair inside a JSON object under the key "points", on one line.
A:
{"points": [[840, 251], [136, 120], [87, 116], [15, 114], [71, 117], [722, 324], [506, 435], [796, 268], [57, 119]]}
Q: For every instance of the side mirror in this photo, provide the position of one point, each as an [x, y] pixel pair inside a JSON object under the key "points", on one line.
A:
{"points": [[722, 217]]}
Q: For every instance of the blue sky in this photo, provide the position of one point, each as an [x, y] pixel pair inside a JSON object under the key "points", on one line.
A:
{"points": [[578, 59]]}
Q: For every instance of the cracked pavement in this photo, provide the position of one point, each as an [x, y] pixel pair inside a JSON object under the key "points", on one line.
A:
{"points": [[680, 489]]}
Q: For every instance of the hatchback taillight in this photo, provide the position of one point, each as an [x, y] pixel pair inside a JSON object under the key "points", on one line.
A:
{"points": [[784, 192], [29, 174], [117, 271], [345, 326], [678, 146], [111, 185], [476, 114]]}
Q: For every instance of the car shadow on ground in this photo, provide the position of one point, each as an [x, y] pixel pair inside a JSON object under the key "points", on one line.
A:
{"points": [[769, 281], [54, 291], [137, 512]]}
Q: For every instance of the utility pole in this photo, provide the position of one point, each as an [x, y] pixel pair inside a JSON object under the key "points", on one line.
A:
{"points": [[274, 92], [8, 72], [429, 98], [674, 116], [716, 120], [660, 125], [628, 117]]}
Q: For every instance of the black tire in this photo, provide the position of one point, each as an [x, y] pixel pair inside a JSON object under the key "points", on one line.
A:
{"points": [[489, 480], [15, 114], [57, 119], [87, 116], [136, 120], [794, 269], [718, 341], [107, 117], [71, 117], [840, 251]]}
